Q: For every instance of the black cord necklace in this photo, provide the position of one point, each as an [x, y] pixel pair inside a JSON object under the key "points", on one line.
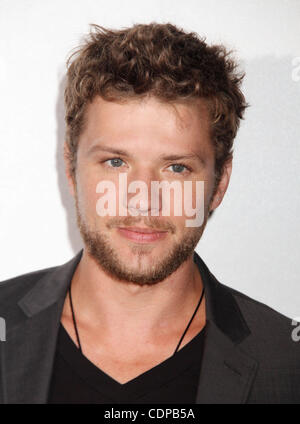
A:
{"points": [[179, 343]]}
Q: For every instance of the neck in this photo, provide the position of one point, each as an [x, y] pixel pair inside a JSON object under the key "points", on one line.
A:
{"points": [[116, 309]]}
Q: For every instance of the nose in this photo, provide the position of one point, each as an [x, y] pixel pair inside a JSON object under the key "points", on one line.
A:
{"points": [[142, 199]]}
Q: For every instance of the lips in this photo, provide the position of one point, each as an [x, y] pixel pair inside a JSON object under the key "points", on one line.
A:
{"points": [[145, 230], [142, 235]]}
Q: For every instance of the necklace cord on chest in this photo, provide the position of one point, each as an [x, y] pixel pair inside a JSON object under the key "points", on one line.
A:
{"points": [[195, 311], [181, 338], [74, 320]]}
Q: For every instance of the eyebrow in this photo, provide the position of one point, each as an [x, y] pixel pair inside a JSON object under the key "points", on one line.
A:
{"points": [[109, 149], [97, 148], [177, 157]]}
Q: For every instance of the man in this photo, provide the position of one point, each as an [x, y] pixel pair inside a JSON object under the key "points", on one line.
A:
{"points": [[137, 316]]}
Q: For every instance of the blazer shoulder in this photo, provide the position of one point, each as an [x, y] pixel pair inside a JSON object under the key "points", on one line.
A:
{"points": [[275, 338], [249, 304], [14, 288]]}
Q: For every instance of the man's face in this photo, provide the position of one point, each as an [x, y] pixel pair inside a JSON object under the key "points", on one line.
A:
{"points": [[141, 139]]}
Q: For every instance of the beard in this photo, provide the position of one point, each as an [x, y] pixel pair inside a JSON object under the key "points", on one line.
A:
{"points": [[99, 248]]}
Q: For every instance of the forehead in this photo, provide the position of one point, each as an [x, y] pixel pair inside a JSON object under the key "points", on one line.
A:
{"points": [[148, 122]]}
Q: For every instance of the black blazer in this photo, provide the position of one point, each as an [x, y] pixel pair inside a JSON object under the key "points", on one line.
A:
{"points": [[249, 355]]}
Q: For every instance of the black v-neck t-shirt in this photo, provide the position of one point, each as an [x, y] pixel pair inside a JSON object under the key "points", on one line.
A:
{"points": [[77, 380]]}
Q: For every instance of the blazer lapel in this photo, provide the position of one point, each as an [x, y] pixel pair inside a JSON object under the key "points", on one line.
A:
{"points": [[28, 357], [227, 372], [29, 351]]}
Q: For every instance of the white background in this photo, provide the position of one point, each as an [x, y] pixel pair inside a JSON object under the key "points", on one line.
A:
{"points": [[252, 241]]}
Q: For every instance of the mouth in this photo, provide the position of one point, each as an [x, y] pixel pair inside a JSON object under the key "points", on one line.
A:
{"points": [[142, 234]]}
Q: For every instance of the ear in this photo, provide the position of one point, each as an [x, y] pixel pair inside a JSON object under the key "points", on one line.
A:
{"points": [[222, 187], [67, 161]]}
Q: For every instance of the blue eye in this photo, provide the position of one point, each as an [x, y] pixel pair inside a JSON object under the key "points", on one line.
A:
{"points": [[115, 162], [178, 168]]}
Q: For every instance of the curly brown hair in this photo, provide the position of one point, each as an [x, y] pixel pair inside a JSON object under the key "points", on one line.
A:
{"points": [[160, 60]]}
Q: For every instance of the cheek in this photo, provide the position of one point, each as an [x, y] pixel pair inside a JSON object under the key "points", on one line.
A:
{"points": [[197, 194], [208, 191], [209, 182], [99, 196], [86, 191]]}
